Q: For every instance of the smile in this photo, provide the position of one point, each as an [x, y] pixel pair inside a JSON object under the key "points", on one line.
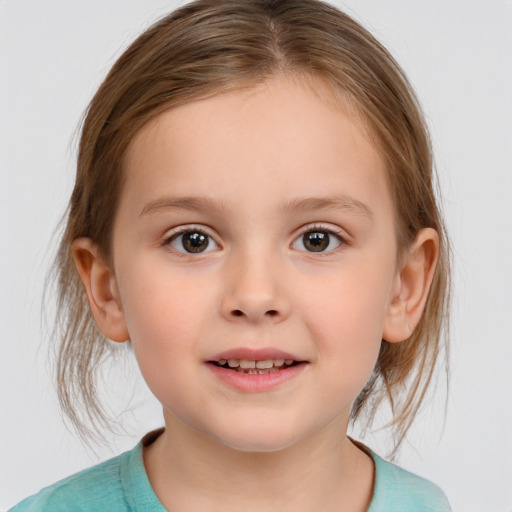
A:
{"points": [[255, 371], [253, 367]]}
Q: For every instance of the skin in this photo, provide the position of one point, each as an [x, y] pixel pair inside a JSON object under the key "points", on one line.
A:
{"points": [[252, 157]]}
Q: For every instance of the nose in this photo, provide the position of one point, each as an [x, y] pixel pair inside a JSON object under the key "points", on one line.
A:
{"points": [[255, 291]]}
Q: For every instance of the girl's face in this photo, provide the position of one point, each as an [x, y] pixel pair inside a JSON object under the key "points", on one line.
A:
{"points": [[256, 226]]}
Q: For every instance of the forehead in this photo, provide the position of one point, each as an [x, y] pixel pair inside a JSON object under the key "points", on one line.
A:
{"points": [[280, 138]]}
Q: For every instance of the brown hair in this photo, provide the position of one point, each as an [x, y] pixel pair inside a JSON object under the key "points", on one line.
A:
{"points": [[207, 47]]}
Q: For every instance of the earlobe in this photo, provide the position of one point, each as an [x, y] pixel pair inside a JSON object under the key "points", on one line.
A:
{"points": [[101, 287], [412, 286]]}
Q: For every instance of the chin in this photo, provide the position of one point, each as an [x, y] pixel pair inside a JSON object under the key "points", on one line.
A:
{"points": [[259, 446], [258, 439]]}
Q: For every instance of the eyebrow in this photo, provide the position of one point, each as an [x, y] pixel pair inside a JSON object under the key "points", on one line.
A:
{"points": [[182, 203], [337, 203]]}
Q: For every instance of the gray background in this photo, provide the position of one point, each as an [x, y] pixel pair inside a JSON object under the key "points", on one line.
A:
{"points": [[53, 55]]}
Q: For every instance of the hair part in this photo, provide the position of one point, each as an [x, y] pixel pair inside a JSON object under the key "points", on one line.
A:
{"points": [[209, 47]]}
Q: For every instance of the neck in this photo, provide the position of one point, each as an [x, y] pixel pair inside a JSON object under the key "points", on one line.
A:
{"points": [[326, 468]]}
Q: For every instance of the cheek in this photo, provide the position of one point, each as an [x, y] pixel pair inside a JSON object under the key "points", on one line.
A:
{"points": [[165, 326], [158, 301], [352, 302], [346, 315], [166, 316]]}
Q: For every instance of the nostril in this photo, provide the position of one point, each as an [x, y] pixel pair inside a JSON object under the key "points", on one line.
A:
{"points": [[270, 312]]}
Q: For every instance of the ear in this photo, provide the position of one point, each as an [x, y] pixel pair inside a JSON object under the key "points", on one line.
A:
{"points": [[100, 284], [412, 286]]}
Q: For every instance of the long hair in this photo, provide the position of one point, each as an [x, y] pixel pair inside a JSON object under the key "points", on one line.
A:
{"points": [[208, 47]]}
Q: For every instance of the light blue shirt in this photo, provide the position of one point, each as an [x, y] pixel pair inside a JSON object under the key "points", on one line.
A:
{"points": [[121, 485]]}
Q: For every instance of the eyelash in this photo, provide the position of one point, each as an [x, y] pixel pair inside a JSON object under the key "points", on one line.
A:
{"points": [[192, 230], [315, 228], [329, 231]]}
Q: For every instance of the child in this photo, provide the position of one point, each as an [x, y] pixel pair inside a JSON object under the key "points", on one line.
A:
{"points": [[253, 212]]}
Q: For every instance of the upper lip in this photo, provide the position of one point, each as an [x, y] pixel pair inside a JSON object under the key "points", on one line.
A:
{"points": [[250, 354]]}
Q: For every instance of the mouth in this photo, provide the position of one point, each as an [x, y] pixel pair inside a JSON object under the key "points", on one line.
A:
{"points": [[255, 367], [256, 370]]}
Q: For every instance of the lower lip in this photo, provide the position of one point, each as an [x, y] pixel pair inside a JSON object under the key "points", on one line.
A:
{"points": [[256, 383]]}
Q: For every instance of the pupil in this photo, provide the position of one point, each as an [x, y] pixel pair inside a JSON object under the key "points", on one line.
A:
{"points": [[195, 242], [316, 241]]}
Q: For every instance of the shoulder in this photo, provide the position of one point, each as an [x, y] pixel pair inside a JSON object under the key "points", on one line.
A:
{"points": [[402, 491], [98, 488]]}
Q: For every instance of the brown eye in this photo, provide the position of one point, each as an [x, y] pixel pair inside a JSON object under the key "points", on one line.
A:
{"points": [[192, 242], [317, 241]]}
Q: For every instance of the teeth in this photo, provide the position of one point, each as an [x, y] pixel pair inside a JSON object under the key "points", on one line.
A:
{"points": [[256, 371], [246, 364], [265, 364]]}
